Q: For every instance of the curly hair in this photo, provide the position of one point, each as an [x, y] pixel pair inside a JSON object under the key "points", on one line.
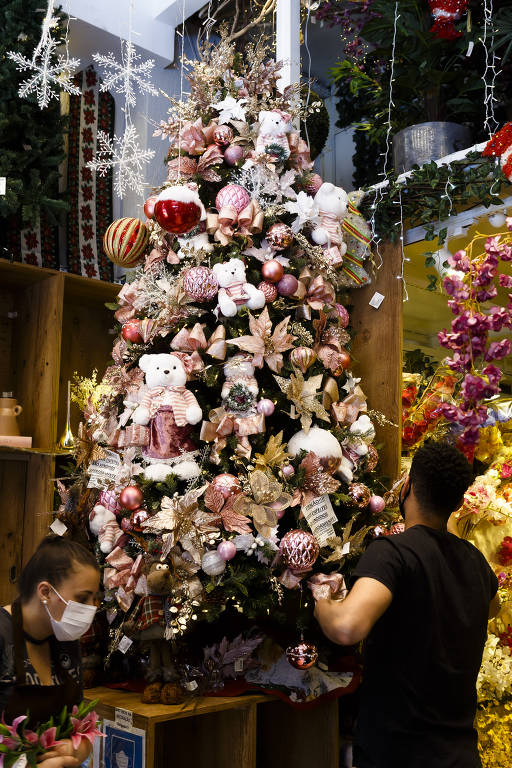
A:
{"points": [[439, 476]]}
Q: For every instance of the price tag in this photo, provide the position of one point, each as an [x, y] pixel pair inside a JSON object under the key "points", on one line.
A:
{"points": [[124, 644], [239, 665], [320, 516], [470, 48], [346, 548], [191, 686], [58, 527], [124, 718], [103, 471], [376, 300], [3, 185]]}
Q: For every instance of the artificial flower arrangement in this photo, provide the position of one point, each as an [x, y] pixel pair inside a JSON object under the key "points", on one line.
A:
{"points": [[21, 746]]}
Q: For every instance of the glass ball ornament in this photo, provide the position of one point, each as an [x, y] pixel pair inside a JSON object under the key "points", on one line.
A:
{"points": [[265, 406], [280, 236], [302, 656], [288, 470], [360, 494], [131, 497], [302, 358], [212, 563], [233, 155], [226, 550], [149, 206], [223, 135], [269, 290], [178, 210], [287, 285], [272, 271], [377, 504], [138, 517], [131, 332], [232, 196], [299, 550], [227, 484], [125, 242], [200, 283]]}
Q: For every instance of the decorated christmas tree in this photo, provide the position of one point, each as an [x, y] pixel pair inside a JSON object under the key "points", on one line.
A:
{"points": [[226, 458]]}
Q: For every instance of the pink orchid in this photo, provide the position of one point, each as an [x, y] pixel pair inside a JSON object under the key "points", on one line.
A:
{"points": [[84, 728], [47, 738], [12, 743]]}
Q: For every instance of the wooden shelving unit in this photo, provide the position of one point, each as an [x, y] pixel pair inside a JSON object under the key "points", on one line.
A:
{"points": [[51, 325]]}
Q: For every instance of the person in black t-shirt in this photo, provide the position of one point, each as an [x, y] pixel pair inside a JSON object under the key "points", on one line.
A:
{"points": [[422, 599]]}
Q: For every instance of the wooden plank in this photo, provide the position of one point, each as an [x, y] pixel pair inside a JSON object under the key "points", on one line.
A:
{"points": [[302, 738], [83, 289], [38, 503], [13, 474], [377, 353]]}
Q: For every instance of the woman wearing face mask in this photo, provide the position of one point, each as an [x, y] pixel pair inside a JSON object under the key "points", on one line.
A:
{"points": [[40, 667]]}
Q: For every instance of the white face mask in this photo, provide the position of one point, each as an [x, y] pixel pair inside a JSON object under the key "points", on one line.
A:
{"points": [[74, 622]]}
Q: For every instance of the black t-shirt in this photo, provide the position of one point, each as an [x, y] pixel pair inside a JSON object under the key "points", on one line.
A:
{"points": [[422, 657]]}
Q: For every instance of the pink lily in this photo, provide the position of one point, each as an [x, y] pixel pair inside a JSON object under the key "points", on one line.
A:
{"points": [[84, 728], [13, 730], [47, 739]]}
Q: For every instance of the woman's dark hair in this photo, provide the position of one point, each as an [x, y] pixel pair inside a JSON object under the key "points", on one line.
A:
{"points": [[440, 475], [52, 561]]}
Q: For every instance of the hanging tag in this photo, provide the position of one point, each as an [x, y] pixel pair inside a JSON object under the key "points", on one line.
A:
{"points": [[191, 685], [3, 185], [104, 471], [470, 48], [58, 527], [320, 516], [376, 300], [124, 644], [124, 718], [239, 665], [346, 548]]}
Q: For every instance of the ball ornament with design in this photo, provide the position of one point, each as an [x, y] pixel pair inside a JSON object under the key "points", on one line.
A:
{"points": [[269, 291], [125, 242], [232, 196], [302, 656], [299, 550], [280, 236], [200, 283]]}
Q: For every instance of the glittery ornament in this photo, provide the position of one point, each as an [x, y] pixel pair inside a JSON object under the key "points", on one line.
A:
{"points": [[377, 504], [313, 184], [344, 361], [138, 517], [303, 358], [232, 196], [280, 236], [272, 270], [233, 154], [131, 331], [360, 494], [227, 484], [131, 497], [266, 407], [269, 291], [288, 470], [126, 524], [299, 550], [212, 563], [302, 656], [391, 499], [149, 206], [396, 528], [125, 241], [226, 550], [372, 458], [344, 317], [110, 501], [200, 283], [287, 285], [223, 135]]}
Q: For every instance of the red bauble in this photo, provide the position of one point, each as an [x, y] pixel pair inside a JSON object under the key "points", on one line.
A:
{"points": [[131, 497], [299, 550], [149, 206], [302, 656], [343, 362], [272, 271], [232, 196], [178, 209], [280, 236], [200, 283], [223, 135], [270, 291], [138, 517], [131, 331], [125, 241], [287, 285], [227, 484]]}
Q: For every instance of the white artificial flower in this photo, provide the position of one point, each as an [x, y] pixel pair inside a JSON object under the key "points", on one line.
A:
{"points": [[230, 109], [305, 209]]}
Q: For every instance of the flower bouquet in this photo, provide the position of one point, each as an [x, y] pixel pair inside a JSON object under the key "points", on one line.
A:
{"points": [[20, 746]]}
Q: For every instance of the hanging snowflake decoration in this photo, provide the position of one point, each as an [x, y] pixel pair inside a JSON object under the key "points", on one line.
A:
{"points": [[126, 156], [125, 76]]}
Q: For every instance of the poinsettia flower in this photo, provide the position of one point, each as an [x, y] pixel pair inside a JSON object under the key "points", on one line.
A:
{"points": [[266, 253], [265, 345], [305, 209], [230, 109], [84, 728]]}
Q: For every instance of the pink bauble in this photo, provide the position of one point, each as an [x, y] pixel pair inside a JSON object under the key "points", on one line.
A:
{"points": [[109, 500], [223, 135], [377, 504], [227, 484], [299, 550], [313, 184], [126, 524], [272, 271], [227, 550], [280, 236], [233, 154], [200, 283], [287, 285], [131, 497], [232, 196], [149, 206], [276, 507], [343, 315], [138, 517], [266, 407], [269, 290], [288, 470]]}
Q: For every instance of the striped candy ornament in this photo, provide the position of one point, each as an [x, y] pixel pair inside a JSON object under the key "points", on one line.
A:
{"points": [[125, 242]]}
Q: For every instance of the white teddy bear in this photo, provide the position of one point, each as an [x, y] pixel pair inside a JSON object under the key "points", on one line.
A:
{"points": [[234, 291], [272, 134], [169, 409], [103, 524], [197, 242], [332, 204]]}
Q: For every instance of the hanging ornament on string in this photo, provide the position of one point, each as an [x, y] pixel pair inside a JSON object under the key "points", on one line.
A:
{"points": [[445, 13], [302, 656], [128, 74]]}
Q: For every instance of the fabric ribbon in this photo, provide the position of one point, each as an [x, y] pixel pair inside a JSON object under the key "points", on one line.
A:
{"points": [[222, 424], [326, 586], [313, 292], [123, 572], [217, 347], [299, 152], [347, 410], [187, 167], [228, 223]]}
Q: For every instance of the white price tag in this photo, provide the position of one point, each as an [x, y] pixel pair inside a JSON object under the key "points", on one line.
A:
{"points": [[470, 48], [191, 686], [239, 665], [376, 300], [124, 644], [58, 527], [3, 185], [320, 516], [346, 548], [124, 718], [103, 471]]}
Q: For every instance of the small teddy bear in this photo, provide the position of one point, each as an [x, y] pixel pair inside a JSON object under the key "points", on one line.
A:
{"points": [[272, 134], [234, 291], [169, 409], [332, 204], [240, 388], [103, 524], [197, 240]]}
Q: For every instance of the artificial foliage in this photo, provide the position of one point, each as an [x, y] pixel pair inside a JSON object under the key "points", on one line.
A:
{"points": [[285, 426], [31, 140]]}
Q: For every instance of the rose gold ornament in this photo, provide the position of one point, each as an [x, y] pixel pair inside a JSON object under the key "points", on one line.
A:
{"points": [[269, 290], [287, 285], [299, 550], [131, 497], [233, 154], [109, 500], [360, 494], [126, 524], [280, 236], [227, 484], [200, 283], [302, 358], [131, 331], [149, 206], [313, 184], [272, 271], [138, 517], [344, 317], [372, 458], [377, 504], [343, 358], [302, 656], [223, 135], [288, 470], [232, 196]]}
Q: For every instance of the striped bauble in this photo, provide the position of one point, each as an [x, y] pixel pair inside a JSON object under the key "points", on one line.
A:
{"points": [[125, 242]]}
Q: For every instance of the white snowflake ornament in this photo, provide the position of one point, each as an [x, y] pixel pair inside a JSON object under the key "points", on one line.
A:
{"points": [[50, 75], [126, 156], [125, 76]]}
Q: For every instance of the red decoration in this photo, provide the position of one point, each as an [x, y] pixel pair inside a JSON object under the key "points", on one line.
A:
{"points": [[125, 241], [445, 12], [227, 484], [302, 656], [505, 551], [131, 497], [131, 331], [138, 517], [177, 216], [200, 283], [269, 289], [299, 550], [272, 271], [149, 206]]}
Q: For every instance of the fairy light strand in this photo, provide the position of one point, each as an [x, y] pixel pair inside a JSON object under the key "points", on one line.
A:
{"points": [[181, 81], [401, 276], [306, 46], [490, 72]]}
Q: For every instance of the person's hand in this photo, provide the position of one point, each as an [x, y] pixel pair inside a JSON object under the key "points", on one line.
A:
{"points": [[58, 761], [328, 586], [63, 755]]}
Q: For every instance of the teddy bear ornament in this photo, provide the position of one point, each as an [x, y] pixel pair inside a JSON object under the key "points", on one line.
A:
{"points": [[234, 291]]}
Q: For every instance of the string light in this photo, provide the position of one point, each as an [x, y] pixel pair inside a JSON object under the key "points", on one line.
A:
{"points": [[180, 116], [306, 45], [401, 276], [490, 73]]}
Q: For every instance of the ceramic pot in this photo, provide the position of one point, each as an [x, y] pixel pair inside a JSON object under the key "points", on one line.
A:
{"points": [[9, 410]]}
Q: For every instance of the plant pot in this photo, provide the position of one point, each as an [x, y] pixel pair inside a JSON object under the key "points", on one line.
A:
{"points": [[422, 143]]}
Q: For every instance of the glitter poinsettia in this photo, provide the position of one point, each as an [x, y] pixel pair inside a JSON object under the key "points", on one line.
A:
{"points": [[268, 499], [266, 345]]}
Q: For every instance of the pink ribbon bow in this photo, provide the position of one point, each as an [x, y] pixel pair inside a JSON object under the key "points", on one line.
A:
{"points": [[123, 574]]}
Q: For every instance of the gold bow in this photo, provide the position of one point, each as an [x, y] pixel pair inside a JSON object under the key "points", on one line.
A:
{"points": [[217, 346], [222, 424], [267, 500], [228, 223], [347, 410], [313, 292]]}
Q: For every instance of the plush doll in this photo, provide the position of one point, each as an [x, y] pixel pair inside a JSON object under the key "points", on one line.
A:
{"points": [[234, 291], [169, 410], [272, 134], [239, 371], [332, 204], [197, 240], [103, 524]]}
